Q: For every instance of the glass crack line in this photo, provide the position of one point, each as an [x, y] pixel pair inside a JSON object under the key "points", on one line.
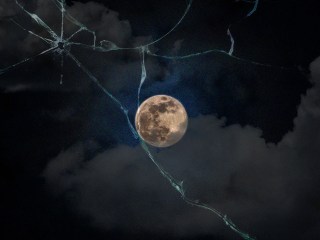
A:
{"points": [[232, 42], [61, 45], [176, 184], [58, 44], [143, 72], [254, 9], [107, 46]]}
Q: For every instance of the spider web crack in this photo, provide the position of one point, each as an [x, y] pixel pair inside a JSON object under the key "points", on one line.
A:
{"points": [[107, 46], [58, 44]]}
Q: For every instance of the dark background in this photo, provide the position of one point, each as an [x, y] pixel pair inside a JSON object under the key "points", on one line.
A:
{"points": [[41, 119]]}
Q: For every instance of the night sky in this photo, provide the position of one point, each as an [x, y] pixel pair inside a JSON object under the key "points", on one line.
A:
{"points": [[71, 169]]}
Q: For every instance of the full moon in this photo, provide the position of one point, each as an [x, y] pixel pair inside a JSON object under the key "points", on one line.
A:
{"points": [[161, 121]]}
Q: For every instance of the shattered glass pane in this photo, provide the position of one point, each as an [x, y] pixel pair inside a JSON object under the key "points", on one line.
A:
{"points": [[61, 44]]}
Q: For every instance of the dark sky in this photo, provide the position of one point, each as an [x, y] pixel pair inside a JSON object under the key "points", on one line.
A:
{"points": [[71, 169]]}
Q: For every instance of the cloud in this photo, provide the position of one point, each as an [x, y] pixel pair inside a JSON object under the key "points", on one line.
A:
{"points": [[263, 187], [104, 21], [115, 70]]}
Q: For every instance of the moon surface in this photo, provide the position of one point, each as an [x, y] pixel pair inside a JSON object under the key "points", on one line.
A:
{"points": [[161, 121]]}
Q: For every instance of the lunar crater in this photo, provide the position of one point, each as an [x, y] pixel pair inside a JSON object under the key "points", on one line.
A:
{"points": [[161, 121]]}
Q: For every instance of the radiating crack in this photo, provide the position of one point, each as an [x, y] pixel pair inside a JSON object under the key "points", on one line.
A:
{"points": [[62, 45], [58, 42]]}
